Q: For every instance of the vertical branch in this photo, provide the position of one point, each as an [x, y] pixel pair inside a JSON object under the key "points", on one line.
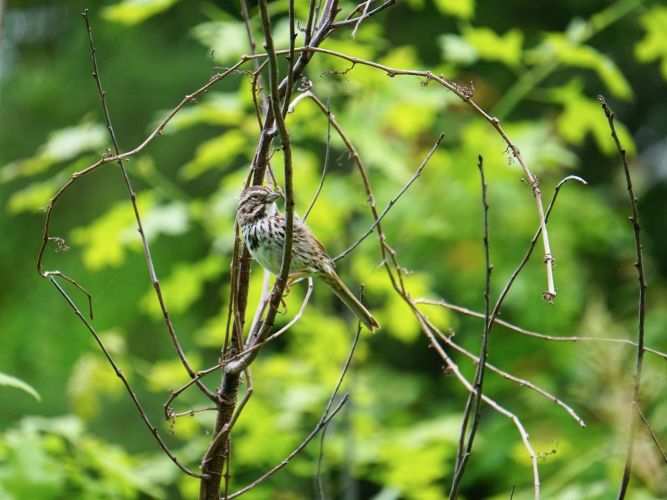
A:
{"points": [[325, 168], [257, 76], [346, 366], [473, 405], [639, 264], [290, 60], [133, 200], [119, 373]]}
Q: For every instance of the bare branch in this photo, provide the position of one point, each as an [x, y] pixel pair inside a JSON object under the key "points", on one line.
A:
{"points": [[363, 16], [521, 382], [453, 368], [473, 405], [349, 20], [119, 373], [654, 438], [530, 333], [346, 366], [321, 425], [132, 195], [393, 200], [639, 264], [325, 168]]}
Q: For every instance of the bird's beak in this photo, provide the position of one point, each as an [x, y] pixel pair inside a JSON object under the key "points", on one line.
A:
{"points": [[271, 197]]}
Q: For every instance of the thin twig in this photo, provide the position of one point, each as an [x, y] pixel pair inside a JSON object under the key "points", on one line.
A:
{"points": [[325, 168], [257, 75], [473, 405], [119, 373], [530, 333], [655, 439], [454, 369], [521, 382], [346, 366], [133, 200], [391, 265], [202, 373], [349, 20], [290, 60], [363, 15], [281, 280], [321, 424], [393, 200], [639, 264]]}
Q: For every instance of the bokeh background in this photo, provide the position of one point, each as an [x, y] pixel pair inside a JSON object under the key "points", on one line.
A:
{"points": [[536, 65]]}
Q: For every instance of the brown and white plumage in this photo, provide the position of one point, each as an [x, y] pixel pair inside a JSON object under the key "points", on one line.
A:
{"points": [[263, 228]]}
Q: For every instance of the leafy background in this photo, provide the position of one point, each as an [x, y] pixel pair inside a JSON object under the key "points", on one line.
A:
{"points": [[538, 66]]}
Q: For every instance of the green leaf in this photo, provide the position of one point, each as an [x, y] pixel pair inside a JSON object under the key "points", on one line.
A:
{"points": [[463, 9], [62, 145], [131, 12], [106, 239], [9, 381], [493, 47], [92, 380], [35, 196], [227, 40], [569, 53], [456, 49], [582, 115], [183, 286], [219, 151], [654, 44], [218, 109]]}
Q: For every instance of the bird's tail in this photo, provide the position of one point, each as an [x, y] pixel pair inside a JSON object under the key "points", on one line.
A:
{"points": [[350, 300]]}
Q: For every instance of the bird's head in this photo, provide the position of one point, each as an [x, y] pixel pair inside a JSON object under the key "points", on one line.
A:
{"points": [[256, 202]]}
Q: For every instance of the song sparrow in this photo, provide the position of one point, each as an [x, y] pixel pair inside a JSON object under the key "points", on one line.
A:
{"points": [[263, 229]]}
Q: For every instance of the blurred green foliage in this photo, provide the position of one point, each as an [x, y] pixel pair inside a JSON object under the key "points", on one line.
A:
{"points": [[537, 65]]}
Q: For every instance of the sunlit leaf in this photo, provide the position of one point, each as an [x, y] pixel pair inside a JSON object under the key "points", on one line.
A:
{"points": [[227, 39], [493, 47], [91, 382], [654, 44], [35, 196], [170, 374], [583, 115], [456, 49], [217, 109], [130, 12], [106, 240], [9, 381], [219, 151], [464, 9], [183, 286], [62, 145], [567, 52]]}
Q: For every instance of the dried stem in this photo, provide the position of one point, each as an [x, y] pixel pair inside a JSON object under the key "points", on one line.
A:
{"points": [[346, 366], [530, 333], [133, 200], [521, 382], [453, 368], [119, 373], [394, 273], [325, 168], [654, 438], [473, 405], [321, 425], [393, 201], [639, 264]]}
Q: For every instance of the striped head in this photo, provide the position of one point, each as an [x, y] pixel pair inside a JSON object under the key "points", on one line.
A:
{"points": [[256, 203]]}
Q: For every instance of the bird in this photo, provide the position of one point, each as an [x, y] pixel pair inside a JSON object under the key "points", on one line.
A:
{"points": [[263, 228]]}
